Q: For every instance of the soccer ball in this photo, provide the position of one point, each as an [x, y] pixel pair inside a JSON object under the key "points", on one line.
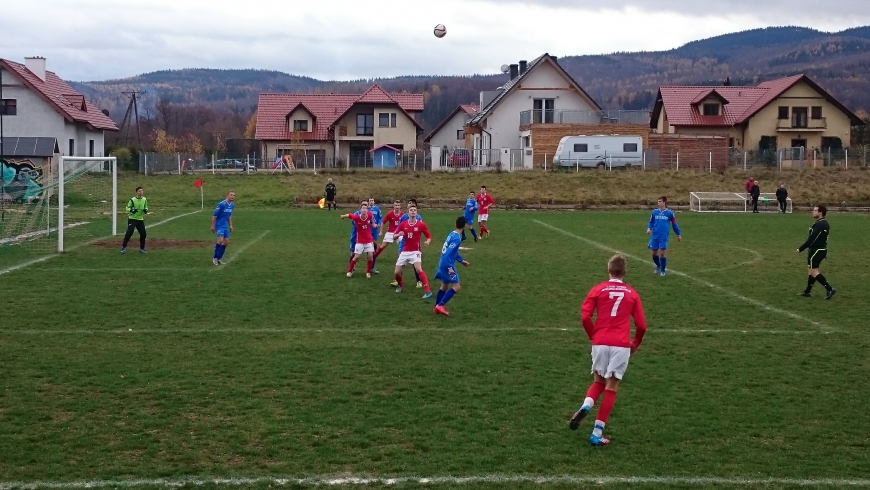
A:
{"points": [[440, 30]]}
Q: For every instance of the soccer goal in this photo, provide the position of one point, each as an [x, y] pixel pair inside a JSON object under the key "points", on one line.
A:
{"points": [[734, 202], [44, 209]]}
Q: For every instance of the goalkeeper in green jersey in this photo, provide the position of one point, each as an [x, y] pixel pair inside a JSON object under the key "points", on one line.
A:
{"points": [[137, 208]]}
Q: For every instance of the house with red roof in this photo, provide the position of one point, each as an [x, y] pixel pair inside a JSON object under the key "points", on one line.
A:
{"points": [[787, 112], [38, 105], [341, 128], [450, 132]]}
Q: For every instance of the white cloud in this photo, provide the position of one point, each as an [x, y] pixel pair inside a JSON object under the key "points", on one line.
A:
{"points": [[101, 39]]}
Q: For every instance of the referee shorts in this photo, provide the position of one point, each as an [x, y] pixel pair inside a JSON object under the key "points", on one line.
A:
{"points": [[815, 257]]}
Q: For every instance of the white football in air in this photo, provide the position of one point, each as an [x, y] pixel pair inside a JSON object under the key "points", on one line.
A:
{"points": [[440, 30]]}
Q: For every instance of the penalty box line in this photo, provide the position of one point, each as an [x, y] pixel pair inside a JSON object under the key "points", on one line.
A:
{"points": [[504, 479], [708, 284], [244, 247], [76, 247]]}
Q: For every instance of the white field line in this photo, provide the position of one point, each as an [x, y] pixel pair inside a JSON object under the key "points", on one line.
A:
{"points": [[244, 247], [47, 257], [38, 233], [756, 257], [121, 269], [505, 479], [473, 329], [708, 284]]}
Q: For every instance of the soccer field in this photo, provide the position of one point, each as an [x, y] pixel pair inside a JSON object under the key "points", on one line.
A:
{"points": [[155, 370]]}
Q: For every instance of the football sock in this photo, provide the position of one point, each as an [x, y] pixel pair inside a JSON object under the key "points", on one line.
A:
{"points": [[592, 394], [463, 234], [352, 265], [217, 248], [598, 429], [664, 262], [439, 296], [416, 276], [400, 280], [656, 260], [378, 251], [606, 405], [810, 281], [221, 250], [374, 259], [369, 264], [425, 281], [824, 282], [474, 233], [447, 296]]}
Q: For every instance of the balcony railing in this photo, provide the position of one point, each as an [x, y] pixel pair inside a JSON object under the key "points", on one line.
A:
{"points": [[583, 117], [801, 124]]}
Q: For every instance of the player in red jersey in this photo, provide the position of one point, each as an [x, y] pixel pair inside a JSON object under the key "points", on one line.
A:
{"points": [[412, 230], [391, 223], [365, 244], [484, 201], [615, 303]]}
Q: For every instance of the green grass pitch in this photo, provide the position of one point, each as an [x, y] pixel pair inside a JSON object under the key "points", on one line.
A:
{"points": [[123, 367]]}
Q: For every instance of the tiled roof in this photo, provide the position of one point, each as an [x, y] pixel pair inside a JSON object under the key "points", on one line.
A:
{"points": [[273, 109], [68, 102], [680, 102], [468, 109], [386, 146], [506, 88]]}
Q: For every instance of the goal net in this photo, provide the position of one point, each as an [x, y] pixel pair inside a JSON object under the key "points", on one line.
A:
{"points": [[734, 202], [45, 209]]}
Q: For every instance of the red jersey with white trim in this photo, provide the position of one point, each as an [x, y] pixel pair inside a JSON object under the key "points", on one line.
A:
{"points": [[413, 234], [392, 220], [363, 227], [616, 303], [484, 201]]}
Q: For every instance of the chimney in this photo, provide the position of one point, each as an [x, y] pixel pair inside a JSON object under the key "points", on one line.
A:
{"points": [[727, 82], [524, 65], [515, 71], [554, 58], [36, 65]]}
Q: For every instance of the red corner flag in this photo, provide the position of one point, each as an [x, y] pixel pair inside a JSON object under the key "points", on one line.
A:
{"points": [[198, 183]]}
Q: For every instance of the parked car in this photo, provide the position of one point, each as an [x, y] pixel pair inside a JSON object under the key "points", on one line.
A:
{"points": [[459, 157], [599, 151]]}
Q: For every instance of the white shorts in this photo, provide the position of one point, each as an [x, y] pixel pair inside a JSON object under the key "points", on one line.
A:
{"points": [[482, 217], [610, 361], [389, 237], [409, 258], [361, 248]]}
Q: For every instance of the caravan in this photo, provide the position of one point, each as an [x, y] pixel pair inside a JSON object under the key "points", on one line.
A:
{"points": [[600, 151]]}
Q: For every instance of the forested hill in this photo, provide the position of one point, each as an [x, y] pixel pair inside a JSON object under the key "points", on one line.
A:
{"points": [[839, 62]]}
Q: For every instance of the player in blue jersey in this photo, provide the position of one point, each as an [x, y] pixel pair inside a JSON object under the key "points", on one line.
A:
{"points": [[222, 225], [446, 268], [405, 217], [468, 214], [378, 219], [660, 223]]}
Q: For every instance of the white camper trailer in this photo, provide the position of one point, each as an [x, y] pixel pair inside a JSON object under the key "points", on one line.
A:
{"points": [[600, 150]]}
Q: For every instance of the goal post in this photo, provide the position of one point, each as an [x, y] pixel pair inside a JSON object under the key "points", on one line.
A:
{"points": [[75, 173], [734, 202]]}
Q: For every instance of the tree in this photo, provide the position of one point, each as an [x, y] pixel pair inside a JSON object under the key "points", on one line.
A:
{"points": [[163, 143], [251, 128]]}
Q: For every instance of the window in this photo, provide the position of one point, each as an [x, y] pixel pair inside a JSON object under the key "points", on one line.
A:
{"points": [[544, 111], [300, 125], [72, 148], [798, 117], [460, 134], [90, 148], [711, 109], [8, 107], [393, 120], [365, 124], [581, 147], [527, 141], [783, 112], [730, 142], [816, 112], [629, 147], [384, 120]]}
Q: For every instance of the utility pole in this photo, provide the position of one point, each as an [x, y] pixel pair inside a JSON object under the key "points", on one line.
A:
{"points": [[132, 112]]}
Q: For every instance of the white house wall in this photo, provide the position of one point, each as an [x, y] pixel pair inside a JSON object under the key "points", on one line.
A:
{"points": [[446, 136], [543, 82]]}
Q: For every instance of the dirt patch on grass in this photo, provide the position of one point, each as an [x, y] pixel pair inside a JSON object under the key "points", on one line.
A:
{"points": [[156, 243]]}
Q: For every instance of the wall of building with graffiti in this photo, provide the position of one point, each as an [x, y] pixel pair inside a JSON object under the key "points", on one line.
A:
{"points": [[20, 179]]}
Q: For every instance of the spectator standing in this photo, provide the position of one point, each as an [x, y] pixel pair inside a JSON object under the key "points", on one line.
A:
{"points": [[781, 197], [748, 187], [754, 192]]}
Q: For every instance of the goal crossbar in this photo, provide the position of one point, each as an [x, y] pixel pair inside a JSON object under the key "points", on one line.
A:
{"points": [[62, 161]]}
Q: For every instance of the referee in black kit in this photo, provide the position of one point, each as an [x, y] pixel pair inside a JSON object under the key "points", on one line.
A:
{"points": [[817, 249]]}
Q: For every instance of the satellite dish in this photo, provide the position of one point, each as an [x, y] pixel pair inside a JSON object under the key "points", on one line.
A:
{"points": [[505, 68]]}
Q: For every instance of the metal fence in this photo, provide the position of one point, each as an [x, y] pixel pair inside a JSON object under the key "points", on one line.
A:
{"points": [[544, 116]]}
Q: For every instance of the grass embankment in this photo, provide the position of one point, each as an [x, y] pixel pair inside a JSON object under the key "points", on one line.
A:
{"points": [[523, 189]]}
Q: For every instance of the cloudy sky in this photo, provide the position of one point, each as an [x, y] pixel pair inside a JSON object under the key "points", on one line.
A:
{"points": [[86, 40]]}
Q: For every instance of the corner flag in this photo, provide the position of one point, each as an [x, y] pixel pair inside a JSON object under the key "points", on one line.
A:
{"points": [[198, 183]]}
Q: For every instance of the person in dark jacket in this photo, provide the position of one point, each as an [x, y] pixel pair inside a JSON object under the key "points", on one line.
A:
{"points": [[754, 192], [329, 194], [781, 197]]}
